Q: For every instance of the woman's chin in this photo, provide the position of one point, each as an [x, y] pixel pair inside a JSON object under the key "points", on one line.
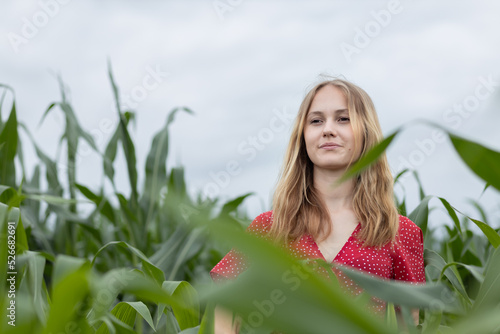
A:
{"points": [[334, 167]]}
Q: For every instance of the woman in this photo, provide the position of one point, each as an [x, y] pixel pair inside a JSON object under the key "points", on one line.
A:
{"points": [[354, 223]]}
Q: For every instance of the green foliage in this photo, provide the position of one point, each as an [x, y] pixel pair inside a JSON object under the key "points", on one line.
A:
{"points": [[139, 262]]}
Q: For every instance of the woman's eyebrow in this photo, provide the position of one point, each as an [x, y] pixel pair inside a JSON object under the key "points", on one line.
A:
{"points": [[318, 112]]}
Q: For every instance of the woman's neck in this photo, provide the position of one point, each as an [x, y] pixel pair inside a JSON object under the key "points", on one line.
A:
{"points": [[337, 197]]}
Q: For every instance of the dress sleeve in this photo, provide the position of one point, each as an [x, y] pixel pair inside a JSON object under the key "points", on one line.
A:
{"points": [[234, 263], [408, 256]]}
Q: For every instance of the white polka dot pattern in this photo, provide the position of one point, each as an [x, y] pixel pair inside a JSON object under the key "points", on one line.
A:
{"points": [[404, 261]]}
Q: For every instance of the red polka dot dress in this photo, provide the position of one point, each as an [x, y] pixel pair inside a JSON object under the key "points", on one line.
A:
{"points": [[403, 261]]}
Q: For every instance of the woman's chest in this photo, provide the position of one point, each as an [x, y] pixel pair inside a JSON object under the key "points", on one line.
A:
{"points": [[374, 260]]}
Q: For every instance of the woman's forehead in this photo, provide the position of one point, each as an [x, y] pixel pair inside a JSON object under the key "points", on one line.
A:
{"points": [[328, 98]]}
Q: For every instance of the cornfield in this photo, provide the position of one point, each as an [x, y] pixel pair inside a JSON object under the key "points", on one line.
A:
{"points": [[139, 262]]}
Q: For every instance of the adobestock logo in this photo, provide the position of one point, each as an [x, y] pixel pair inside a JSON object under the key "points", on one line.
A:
{"points": [[31, 27], [249, 149], [150, 82], [223, 6], [363, 37], [453, 117]]}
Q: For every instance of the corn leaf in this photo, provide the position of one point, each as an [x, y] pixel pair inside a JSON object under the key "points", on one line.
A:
{"points": [[483, 161], [128, 145], [489, 292], [68, 296], [187, 312], [150, 269], [127, 313], [420, 215], [435, 260], [369, 157], [8, 149]]}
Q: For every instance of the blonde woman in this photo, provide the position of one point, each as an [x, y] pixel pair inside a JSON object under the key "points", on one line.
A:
{"points": [[355, 223]]}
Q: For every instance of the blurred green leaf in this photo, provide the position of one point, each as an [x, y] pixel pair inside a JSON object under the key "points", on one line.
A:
{"points": [[128, 145], [489, 292], [68, 298], [150, 269], [194, 330], [490, 233], [315, 299], [369, 157], [483, 161], [474, 270], [433, 320], [420, 215], [65, 265], [452, 214], [102, 204], [402, 293], [485, 322], [207, 322], [435, 260], [127, 313], [51, 168], [8, 195], [187, 312], [8, 149], [233, 204], [34, 283], [156, 162], [419, 183]]}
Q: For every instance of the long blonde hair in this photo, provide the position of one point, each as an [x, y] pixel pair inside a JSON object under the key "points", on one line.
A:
{"points": [[297, 207]]}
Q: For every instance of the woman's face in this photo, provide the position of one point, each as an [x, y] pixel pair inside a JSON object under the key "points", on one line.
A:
{"points": [[328, 132]]}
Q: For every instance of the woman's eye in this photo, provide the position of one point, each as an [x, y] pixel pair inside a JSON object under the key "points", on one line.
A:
{"points": [[344, 119], [315, 121]]}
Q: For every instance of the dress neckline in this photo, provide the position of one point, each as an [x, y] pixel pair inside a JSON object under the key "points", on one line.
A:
{"points": [[349, 240]]}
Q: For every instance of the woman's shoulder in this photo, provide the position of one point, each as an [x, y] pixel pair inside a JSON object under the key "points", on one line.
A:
{"points": [[408, 229], [262, 223]]}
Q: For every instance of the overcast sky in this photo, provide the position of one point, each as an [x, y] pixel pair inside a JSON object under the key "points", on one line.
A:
{"points": [[243, 67]]}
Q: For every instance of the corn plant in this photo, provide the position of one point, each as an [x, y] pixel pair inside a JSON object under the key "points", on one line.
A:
{"points": [[139, 262]]}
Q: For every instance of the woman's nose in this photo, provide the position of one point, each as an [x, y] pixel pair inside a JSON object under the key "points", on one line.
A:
{"points": [[329, 130]]}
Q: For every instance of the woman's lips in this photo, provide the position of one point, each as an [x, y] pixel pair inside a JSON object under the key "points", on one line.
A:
{"points": [[329, 146]]}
